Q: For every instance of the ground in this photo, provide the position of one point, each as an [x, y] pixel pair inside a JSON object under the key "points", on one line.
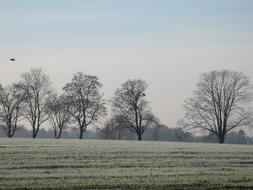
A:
{"points": [[96, 164]]}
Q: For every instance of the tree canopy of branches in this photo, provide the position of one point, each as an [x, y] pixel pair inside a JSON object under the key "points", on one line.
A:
{"points": [[10, 109], [218, 105], [129, 101], [36, 87], [85, 100], [59, 114]]}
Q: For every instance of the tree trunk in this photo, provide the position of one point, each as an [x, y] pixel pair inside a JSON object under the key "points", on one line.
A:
{"points": [[55, 133], [139, 137], [35, 132], [9, 134], [34, 135], [81, 134], [59, 134], [35, 129], [221, 139]]}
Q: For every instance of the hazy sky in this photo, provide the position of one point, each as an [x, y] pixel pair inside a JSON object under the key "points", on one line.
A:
{"points": [[168, 43]]}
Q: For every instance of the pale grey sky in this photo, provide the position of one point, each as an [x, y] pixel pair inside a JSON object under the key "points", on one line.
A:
{"points": [[168, 43]]}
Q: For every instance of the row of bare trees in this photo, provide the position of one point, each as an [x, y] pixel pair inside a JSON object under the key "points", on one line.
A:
{"points": [[81, 104], [219, 105]]}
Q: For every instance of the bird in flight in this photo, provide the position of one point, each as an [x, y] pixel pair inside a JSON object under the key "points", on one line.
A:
{"points": [[12, 59]]}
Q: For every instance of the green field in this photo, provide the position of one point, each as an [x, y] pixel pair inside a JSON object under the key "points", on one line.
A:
{"points": [[96, 164]]}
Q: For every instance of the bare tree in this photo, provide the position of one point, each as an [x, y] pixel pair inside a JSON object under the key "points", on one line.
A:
{"points": [[129, 101], [115, 128], [10, 109], [59, 114], [218, 105], [85, 99], [36, 87]]}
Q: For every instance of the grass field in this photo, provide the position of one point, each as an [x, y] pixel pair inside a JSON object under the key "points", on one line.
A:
{"points": [[95, 164]]}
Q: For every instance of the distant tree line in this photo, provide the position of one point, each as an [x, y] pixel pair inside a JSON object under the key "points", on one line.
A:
{"points": [[218, 107], [163, 133]]}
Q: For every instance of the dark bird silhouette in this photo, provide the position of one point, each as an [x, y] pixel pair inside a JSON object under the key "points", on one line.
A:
{"points": [[143, 94], [12, 59]]}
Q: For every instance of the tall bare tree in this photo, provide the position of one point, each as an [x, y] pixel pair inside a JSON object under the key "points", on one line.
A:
{"points": [[218, 105], [129, 101], [36, 87], [85, 99], [59, 114], [10, 109]]}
